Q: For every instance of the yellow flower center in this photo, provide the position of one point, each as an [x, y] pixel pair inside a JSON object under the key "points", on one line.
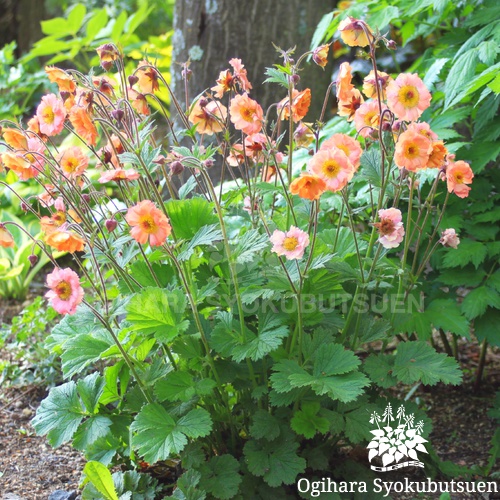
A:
{"points": [[459, 179], [330, 168], [290, 243], [70, 165], [63, 290], [48, 115], [247, 114], [148, 224], [344, 148], [59, 218], [30, 158], [408, 96], [411, 151]]}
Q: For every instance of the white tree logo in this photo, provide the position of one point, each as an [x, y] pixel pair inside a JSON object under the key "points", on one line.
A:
{"points": [[394, 443]]}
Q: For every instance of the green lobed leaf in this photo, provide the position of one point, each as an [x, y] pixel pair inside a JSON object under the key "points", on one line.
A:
{"points": [[158, 311], [333, 359], [477, 301], [486, 327], [307, 422], [446, 314], [90, 390], [59, 414], [249, 244], [379, 368], [220, 476], [90, 431], [264, 426], [419, 362], [207, 235], [460, 75], [469, 251], [276, 461], [189, 216]]}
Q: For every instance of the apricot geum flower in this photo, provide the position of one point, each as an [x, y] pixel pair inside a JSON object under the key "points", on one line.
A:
{"points": [[6, 239], [344, 87], [320, 55], [148, 78], [209, 116], [412, 151], [308, 186], [28, 163], [390, 227], [246, 114], [350, 146], [370, 84], [51, 115], [72, 162], [148, 223], [449, 238], [300, 105], [333, 166], [15, 138], [408, 97], [227, 81], [63, 80], [65, 292], [83, 124], [291, 244], [61, 238], [119, 174], [354, 32], [458, 175], [367, 118]]}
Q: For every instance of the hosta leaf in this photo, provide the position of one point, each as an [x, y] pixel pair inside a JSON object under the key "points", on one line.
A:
{"points": [[220, 476], [158, 311], [418, 361], [276, 461], [59, 414]]}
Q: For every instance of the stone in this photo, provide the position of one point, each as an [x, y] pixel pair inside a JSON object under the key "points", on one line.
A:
{"points": [[63, 495]]}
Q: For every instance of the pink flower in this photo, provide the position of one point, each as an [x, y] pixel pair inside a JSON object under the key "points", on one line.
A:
{"points": [[119, 174], [291, 244], [367, 118], [408, 97], [348, 145], [449, 238], [412, 150], [73, 162], [458, 175], [333, 166], [390, 227], [51, 114], [240, 73], [65, 291], [246, 114], [148, 222]]}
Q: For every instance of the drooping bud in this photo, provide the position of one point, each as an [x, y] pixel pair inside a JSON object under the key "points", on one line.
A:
{"points": [[320, 55], [86, 197], [132, 80], [295, 78], [176, 168], [33, 260], [118, 114], [24, 206], [209, 163], [391, 45], [110, 225], [108, 54]]}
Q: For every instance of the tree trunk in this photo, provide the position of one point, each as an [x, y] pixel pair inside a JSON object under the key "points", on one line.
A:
{"points": [[20, 22], [214, 31]]}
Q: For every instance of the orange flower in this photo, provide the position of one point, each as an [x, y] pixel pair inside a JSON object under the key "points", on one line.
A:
{"points": [[367, 118], [119, 174], [320, 55], [333, 167], [83, 124], [236, 156], [308, 186], [29, 163], [148, 222], [348, 145], [438, 155], [412, 151], [73, 162], [148, 78], [208, 116], [224, 83], [139, 102], [34, 126], [14, 138], [6, 239], [349, 106], [424, 129], [352, 32], [63, 80], [246, 114], [370, 85], [344, 86], [240, 74], [458, 175], [62, 239], [300, 105], [108, 54]]}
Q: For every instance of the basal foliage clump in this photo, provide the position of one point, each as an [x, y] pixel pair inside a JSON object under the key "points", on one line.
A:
{"points": [[237, 333]]}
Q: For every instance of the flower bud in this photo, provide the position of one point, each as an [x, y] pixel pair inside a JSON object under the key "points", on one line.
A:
{"points": [[320, 55], [209, 163], [132, 80], [24, 206], [85, 197], [110, 225], [118, 114], [176, 168], [391, 45], [203, 102], [33, 260], [386, 126], [108, 53], [186, 74]]}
